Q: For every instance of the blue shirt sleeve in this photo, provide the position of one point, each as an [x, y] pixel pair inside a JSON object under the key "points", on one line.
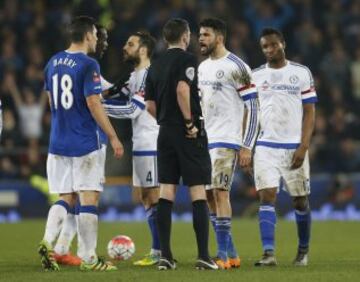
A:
{"points": [[92, 81]]}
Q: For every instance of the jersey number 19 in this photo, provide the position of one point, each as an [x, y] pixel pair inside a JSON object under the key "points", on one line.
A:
{"points": [[66, 96]]}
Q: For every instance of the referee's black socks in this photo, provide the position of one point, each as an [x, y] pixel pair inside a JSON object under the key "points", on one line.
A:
{"points": [[201, 227], [164, 209]]}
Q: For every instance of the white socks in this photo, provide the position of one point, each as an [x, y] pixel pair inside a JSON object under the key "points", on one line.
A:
{"points": [[56, 217], [88, 228], [66, 236]]}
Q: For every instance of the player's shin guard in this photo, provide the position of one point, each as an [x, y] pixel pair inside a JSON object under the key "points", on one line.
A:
{"points": [[267, 222], [151, 214], [201, 227], [88, 229], [223, 229], [67, 234], [164, 226], [56, 217], [303, 222]]}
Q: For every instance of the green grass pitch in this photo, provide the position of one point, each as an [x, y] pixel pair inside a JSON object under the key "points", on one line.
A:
{"points": [[335, 254]]}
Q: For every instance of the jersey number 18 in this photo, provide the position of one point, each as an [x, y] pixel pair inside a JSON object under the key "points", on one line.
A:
{"points": [[66, 96]]}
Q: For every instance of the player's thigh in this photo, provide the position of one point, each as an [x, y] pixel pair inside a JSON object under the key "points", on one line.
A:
{"points": [[267, 163], [88, 172], [145, 172], [59, 173], [195, 163], [223, 163], [167, 160], [297, 181]]}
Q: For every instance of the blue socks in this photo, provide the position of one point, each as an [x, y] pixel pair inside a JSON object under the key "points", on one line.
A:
{"points": [[303, 222], [151, 214], [223, 229], [267, 222], [230, 249]]}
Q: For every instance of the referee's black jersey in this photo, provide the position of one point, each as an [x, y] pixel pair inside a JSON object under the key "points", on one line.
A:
{"points": [[164, 74]]}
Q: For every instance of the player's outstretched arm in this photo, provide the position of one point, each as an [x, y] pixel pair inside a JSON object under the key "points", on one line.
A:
{"points": [[307, 131], [97, 111]]}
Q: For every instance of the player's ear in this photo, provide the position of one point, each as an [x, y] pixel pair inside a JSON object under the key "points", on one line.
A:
{"points": [[284, 44]]}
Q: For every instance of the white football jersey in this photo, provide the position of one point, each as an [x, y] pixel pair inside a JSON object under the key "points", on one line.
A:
{"points": [[282, 93], [145, 128], [226, 87]]}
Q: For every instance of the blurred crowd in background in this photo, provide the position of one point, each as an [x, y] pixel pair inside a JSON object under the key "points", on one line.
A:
{"points": [[324, 35]]}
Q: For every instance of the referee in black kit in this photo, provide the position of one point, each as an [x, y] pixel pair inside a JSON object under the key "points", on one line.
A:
{"points": [[172, 97]]}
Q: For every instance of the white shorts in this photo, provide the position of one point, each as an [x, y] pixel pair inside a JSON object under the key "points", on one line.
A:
{"points": [[102, 160], [272, 167], [74, 174], [145, 172], [223, 163]]}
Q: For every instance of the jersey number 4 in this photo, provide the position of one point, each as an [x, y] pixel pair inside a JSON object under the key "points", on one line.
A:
{"points": [[66, 96]]}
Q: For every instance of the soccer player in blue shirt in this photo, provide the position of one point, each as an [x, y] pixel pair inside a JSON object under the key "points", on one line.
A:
{"points": [[69, 227], [72, 80]]}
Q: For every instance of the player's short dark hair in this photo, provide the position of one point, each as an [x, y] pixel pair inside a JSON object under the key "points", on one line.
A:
{"points": [[174, 29], [146, 40], [99, 27], [272, 31], [216, 24], [79, 26]]}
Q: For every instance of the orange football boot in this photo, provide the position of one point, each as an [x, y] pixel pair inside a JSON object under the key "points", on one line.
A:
{"points": [[67, 259], [222, 264], [235, 262]]}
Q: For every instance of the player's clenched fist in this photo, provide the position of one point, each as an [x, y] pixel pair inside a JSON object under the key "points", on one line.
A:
{"points": [[117, 147]]}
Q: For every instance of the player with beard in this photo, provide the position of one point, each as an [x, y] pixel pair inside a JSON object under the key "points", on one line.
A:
{"points": [[138, 51], [287, 103], [69, 228], [226, 89]]}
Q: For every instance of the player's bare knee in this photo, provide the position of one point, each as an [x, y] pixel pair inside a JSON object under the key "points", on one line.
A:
{"points": [[301, 203], [89, 198], [69, 198], [267, 196], [221, 196], [197, 192], [168, 191]]}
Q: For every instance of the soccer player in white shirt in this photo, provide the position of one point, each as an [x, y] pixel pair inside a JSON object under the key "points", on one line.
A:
{"points": [[287, 106], [226, 89], [139, 49]]}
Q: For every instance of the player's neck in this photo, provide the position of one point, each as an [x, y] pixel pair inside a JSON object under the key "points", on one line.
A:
{"points": [[278, 65], [78, 47], [218, 53], [144, 63], [177, 45]]}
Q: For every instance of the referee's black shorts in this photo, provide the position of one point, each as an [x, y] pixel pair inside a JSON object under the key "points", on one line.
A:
{"points": [[179, 156]]}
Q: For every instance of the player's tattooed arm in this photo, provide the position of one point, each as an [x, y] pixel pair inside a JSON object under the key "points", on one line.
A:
{"points": [[307, 131]]}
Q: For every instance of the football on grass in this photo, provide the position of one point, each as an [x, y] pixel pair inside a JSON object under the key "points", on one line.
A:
{"points": [[121, 247]]}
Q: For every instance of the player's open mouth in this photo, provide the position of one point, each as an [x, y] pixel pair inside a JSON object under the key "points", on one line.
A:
{"points": [[203, 47]]}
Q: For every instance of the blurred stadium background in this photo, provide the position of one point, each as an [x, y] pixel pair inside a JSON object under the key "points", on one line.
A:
{"points": [[324, 35]]}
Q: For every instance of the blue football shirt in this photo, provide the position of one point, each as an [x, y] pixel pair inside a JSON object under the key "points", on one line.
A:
{"points": [[70, 78]]}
